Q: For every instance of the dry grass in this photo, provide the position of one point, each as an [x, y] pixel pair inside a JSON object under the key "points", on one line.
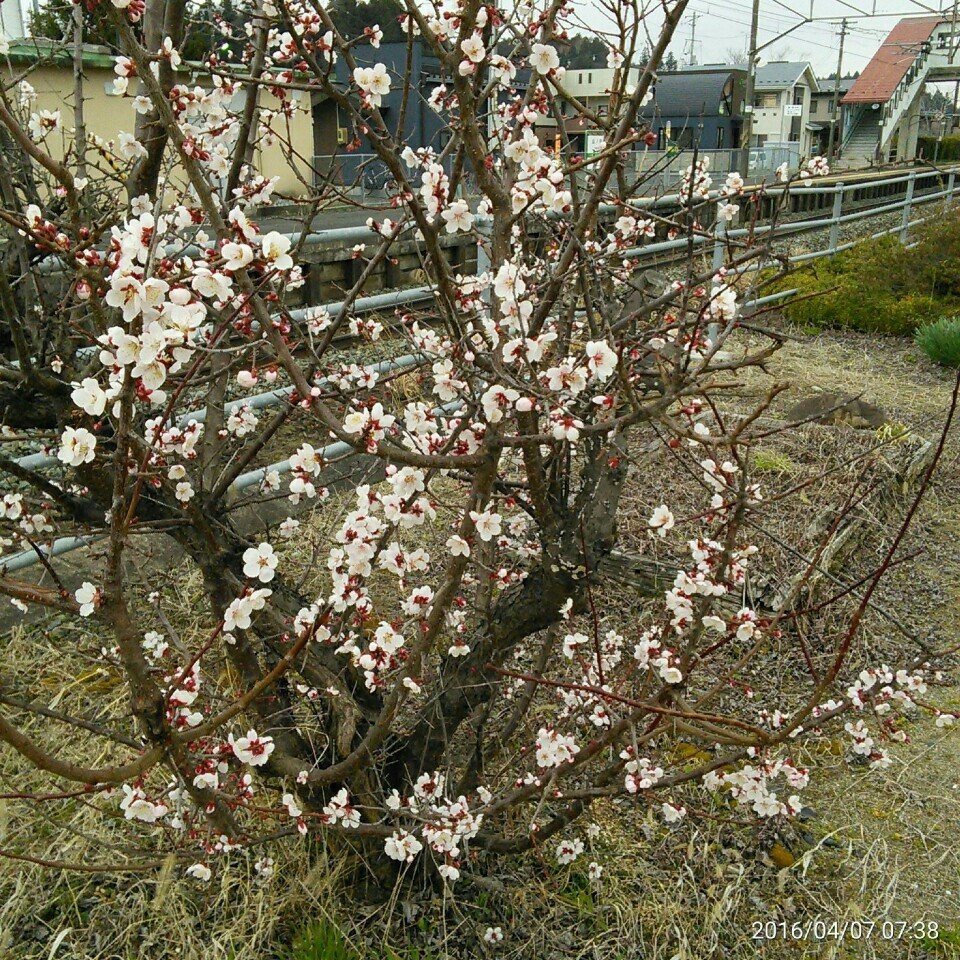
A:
{"points": [[878, 846]]}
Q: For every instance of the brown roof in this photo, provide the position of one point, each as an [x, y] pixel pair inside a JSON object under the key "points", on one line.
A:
{"points": [[891, 62]]}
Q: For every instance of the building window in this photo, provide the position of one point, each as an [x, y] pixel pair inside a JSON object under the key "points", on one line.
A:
{"points": [[798, 96], [589, 78], [720, 138]]}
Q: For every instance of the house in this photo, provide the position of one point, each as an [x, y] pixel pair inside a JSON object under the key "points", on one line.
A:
{"points": [[590, 86], [822, 115], [48, 68], [699, 107], [340, 150], [783, 93], [323, 140]]}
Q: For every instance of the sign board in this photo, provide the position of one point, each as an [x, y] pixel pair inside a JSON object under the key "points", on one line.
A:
{"points": [[593, 144], [793, 110]]}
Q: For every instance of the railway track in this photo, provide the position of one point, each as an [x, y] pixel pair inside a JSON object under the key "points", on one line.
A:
{"points": [[843, 200]]}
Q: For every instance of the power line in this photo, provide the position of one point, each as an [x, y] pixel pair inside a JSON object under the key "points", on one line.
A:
{"points": [[803, 23]]}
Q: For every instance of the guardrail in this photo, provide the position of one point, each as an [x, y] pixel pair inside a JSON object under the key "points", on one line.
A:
{"points": [[718, 240], [361, 233], [363, 172], [762, 161]]}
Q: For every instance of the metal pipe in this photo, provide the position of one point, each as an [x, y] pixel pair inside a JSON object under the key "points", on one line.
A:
{"points": [[62, 545], [770, 298], [377, 301], [27, 558], [260, 401]]}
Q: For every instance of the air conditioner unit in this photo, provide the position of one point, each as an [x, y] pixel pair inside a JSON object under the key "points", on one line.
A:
{"points": [[341, 134]]}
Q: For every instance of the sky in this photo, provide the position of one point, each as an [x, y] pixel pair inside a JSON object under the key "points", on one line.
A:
{"points": [[724, 25]]}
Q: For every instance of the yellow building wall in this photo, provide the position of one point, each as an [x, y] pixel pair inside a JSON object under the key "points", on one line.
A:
{"points": [[106, 115]]}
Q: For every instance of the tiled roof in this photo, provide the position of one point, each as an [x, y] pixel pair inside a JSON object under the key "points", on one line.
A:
{"points": [[827, 84], [890, 63], [40, 50]]}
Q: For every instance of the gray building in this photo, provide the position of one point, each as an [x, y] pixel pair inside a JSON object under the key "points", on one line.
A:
{"points": [[698, 107], [343, 150], [783, 93], [822, 116]]}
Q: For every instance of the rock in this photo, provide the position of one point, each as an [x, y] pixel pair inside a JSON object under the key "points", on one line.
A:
{"points": [[654, 281], [836, 408], [645, 285], [781, 856]]}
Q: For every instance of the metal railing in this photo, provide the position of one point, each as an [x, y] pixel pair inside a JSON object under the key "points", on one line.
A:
{"points": [[363, 173], [718, 240], [669, 165], [836, 218]]}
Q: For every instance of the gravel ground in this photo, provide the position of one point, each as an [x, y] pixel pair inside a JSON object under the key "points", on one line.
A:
{"points": [[878, 846]]}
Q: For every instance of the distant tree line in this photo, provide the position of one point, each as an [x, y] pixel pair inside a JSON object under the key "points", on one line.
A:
{"points": [[587, 52]]}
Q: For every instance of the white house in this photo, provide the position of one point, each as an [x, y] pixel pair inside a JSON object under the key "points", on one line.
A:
{"points": [[781, 106], [590, 86], [11, 19]]}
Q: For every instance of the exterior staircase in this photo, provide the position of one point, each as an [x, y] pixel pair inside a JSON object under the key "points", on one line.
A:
{"points": [[900, 107], [882, 108], [861, 137]]}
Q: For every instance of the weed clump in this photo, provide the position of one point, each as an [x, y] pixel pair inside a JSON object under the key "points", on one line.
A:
{"points": [[940, 341]]}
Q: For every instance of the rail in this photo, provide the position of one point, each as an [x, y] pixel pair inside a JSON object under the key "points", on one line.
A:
{"points": [[718, 240]]}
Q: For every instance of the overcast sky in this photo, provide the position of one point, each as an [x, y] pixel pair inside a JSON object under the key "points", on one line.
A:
{"points": [[724, 25]]}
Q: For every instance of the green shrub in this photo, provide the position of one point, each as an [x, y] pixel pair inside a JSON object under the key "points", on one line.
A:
{"points": [[321, 940], [770, 461], [949, 148], [879, 286], [844, 300], [940, 341]]}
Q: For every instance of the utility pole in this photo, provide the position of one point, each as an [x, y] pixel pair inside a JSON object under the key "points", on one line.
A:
{"points": [[834, 107], [692, 56], [954, 46], [746, 135]]}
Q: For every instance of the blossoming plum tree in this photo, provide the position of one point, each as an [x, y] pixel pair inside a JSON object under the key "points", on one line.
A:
{"points": [[436, 696]]}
